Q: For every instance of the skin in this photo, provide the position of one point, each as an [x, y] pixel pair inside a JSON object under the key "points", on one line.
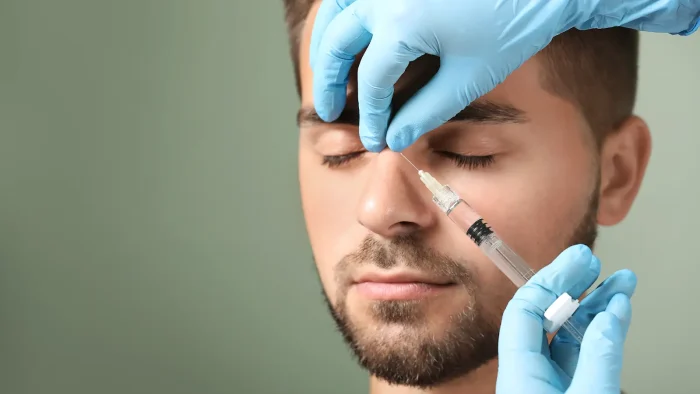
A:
{"points": [[545, 187]]}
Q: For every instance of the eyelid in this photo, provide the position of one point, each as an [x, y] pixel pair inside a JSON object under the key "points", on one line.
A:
{"points": [[483, 153], [334, 161], [471, 141], [338, 141], [469, 162]]}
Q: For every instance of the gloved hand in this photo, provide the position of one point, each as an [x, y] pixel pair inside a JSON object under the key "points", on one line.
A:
{"points": [[479, 43], [528, 365]]}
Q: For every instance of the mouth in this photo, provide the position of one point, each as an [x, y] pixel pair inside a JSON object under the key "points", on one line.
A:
{"points": [[399, 285]]}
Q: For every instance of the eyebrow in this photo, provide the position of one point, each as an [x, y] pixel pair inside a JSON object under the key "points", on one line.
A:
{"points": [[484, 112], [307, 116]]}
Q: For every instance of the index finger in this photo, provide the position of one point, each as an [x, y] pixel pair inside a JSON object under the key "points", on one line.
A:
{"points": [[344, 38], [326, 13]]}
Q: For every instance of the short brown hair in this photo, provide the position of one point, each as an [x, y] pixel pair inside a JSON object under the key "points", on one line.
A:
{"points": [[594, 69]]}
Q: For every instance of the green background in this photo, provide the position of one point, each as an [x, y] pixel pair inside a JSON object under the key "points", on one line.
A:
{"points": [[151, 236]]}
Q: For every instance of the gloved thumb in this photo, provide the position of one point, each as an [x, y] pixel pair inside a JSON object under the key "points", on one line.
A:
{"points": [[600, 360]]}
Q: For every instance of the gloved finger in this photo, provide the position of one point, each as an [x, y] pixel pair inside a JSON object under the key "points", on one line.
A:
{"points": [[527, 373], [343, 39], [564, 348], [522, 326], [380, 68], [456, 84], [600, 361], [623, 281], [327, 11]]}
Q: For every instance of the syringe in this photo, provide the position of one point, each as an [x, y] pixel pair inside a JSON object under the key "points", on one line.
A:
{"points": [[513, 266]]}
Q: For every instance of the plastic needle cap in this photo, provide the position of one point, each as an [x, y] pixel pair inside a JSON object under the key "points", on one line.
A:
{"points": [[431, 183], [443, 196]]}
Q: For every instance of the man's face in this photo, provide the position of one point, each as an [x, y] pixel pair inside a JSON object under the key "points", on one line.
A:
{"points": [[418, 302]]}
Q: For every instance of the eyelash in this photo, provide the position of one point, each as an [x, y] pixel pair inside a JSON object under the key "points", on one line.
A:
{"points": [[468, 162], [337, 161], [462, 161]]}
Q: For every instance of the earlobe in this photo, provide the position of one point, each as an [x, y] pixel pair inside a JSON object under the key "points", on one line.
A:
{"points": [[624, 157]]}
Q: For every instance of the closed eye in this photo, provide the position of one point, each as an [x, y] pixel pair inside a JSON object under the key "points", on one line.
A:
{"points": [[462, 161], [335, 161], [468, 162]]}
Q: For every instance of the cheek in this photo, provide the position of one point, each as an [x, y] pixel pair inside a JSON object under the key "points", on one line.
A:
{"points": [[536, 204], [329, 205]]}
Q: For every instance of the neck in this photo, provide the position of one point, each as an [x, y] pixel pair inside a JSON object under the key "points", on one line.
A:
{"points": [[480, 381]]}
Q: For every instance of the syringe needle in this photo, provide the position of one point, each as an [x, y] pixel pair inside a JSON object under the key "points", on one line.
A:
{"points": [[409, 162]]}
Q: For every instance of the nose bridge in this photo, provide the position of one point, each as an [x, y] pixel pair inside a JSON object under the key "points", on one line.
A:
{"points": [[393, 202]]}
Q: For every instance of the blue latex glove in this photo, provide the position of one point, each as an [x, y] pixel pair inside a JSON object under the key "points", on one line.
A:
{"points": [[479, 43], [528, 365]]}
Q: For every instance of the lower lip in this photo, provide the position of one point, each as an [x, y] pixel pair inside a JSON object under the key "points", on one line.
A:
{"points": [[398, 291]]}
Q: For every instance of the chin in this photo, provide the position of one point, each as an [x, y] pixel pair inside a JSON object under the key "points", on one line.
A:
{"points": [[420, 343]]}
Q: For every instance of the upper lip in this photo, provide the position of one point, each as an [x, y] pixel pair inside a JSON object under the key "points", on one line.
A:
{"points": [[399, 277]]}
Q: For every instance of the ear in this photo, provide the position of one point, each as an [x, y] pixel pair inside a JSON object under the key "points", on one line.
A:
{"points": [[624, 158]]}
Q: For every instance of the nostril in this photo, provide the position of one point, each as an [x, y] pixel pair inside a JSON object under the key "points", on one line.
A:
{"points": [[404, 228]]}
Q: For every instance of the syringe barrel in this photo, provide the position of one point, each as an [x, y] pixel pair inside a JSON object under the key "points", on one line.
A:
{"points": [[574, 329], [509, 262], [506, 260], [512, 265]]}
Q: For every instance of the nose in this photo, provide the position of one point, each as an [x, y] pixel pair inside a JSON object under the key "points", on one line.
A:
{"points": [[393, 202]]}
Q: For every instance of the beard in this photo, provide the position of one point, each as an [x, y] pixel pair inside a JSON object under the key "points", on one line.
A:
{"points": [[417, 357]]}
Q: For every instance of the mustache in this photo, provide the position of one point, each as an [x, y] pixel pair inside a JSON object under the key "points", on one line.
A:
{"points": [[404, 250]]}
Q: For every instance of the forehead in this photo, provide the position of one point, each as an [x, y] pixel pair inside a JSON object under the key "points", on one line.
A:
{"points": [[521, 87]]}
